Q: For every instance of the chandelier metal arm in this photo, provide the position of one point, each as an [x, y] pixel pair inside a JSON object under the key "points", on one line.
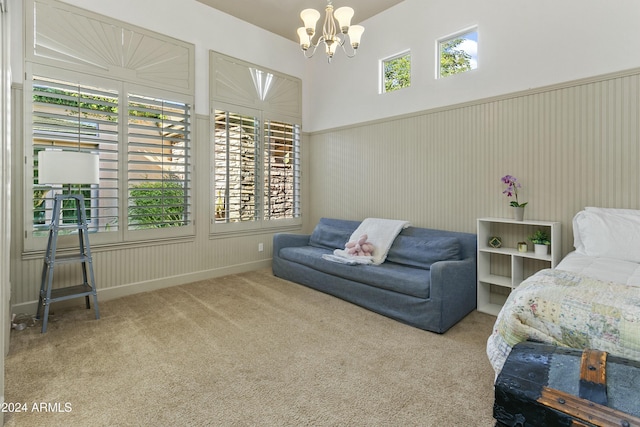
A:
{"points": [[344, 49], [311, 50]]}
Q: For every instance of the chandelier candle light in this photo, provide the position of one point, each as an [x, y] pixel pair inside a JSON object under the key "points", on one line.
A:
{"points": [[333, 35]]}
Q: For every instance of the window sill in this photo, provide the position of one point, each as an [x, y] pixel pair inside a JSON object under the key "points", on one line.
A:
{"points": [[254, 231], [95, 248]]}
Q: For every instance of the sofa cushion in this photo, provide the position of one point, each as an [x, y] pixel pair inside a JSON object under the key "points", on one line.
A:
{"points": [[422, 252], [394, 277], [330, 237]]}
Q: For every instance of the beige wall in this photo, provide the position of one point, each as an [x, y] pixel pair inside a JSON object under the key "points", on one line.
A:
{"points": [[522, 45], [571, 145]]}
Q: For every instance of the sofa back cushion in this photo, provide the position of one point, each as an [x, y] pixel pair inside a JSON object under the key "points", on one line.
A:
{"points": [[329, 236], [422, 252]]}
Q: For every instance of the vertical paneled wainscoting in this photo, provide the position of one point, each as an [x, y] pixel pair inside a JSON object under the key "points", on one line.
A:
{"points": [[570, 145], [136, 267]]}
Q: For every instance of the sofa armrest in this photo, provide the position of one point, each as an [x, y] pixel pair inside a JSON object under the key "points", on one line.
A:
{"points": [[449, 277], [286, 240], [454, 288]]}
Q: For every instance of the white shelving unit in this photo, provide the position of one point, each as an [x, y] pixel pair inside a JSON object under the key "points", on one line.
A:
{"points": [[503, 268]]}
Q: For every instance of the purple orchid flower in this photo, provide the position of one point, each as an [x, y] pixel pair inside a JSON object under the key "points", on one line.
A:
{"points": [[512, 190]]}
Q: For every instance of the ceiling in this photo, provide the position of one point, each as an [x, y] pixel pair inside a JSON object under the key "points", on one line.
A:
{"points": [[283, 16]]}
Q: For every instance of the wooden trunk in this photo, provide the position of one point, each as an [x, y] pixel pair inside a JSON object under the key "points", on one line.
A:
{"points": [[545, 385]]}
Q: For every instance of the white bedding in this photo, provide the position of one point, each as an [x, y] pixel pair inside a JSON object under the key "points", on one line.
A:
{"points": [[607, 269]]}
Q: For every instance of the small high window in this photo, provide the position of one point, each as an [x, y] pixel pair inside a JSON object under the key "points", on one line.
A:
{"points": [[458, 53], [396, 72]]}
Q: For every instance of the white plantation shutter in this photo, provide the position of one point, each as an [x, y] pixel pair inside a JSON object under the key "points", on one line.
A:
{"points": [[70, 116], [159, 182], [281, 170], [145, 145], [236, 139], [256, 168]]}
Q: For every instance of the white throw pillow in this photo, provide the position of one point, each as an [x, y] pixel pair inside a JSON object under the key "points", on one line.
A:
{"points": [[607, 234]]}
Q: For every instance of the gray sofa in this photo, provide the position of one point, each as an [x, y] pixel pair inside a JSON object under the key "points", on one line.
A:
{"points": [[428, 279]]}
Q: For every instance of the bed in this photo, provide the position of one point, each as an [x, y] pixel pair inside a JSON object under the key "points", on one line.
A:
{"points": [[590, 300]]}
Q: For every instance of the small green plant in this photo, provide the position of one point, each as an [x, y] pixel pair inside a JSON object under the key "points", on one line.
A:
{"points": [[540, 237]]}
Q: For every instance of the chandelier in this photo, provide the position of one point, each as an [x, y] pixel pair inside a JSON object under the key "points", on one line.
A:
{"points": [[333, 35]]}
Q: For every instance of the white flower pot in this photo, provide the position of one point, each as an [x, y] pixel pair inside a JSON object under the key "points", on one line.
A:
{"points": [[518, 213], [541, 250]]}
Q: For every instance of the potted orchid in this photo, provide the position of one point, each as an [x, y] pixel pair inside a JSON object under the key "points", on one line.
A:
{"points": [[512, 191]]}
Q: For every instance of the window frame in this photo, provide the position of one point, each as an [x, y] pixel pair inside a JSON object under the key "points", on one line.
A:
{"points": [[260, 222], [233, 226], [55, 138], [167, 232], [296, 219], [444, 39], [382, 80], [244, 88]]}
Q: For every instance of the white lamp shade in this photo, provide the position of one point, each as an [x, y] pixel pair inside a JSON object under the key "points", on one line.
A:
{"points": [[344, 15], [331, 47], [304, 38], [355, 33], [68, 167], [310, 17]]}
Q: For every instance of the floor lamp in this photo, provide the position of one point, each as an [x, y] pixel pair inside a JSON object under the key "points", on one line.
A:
{"points": [[67, 168]]}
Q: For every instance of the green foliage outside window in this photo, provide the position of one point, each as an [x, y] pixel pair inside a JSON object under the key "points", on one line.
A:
{"points": [[157, 205], [68, 208], [452, 59], [101, 103], [397, 73]]}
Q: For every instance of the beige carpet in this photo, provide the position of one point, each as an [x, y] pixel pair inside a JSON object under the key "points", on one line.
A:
{"points": [[246, 350]]}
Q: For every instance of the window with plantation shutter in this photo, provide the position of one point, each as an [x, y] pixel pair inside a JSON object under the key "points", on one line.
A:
{"points": [[144, 156], [256, 169], [236, 139], [281, 170], [120, 91], [158, 163], [255, 134], [74, 117]]}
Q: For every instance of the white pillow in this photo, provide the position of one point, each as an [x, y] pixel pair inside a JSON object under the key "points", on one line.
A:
{"points": [[613, 210], [577, 242], [607, 234]]}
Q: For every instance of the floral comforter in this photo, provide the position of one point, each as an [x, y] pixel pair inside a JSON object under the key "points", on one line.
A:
{"points": [[571, 310]]}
